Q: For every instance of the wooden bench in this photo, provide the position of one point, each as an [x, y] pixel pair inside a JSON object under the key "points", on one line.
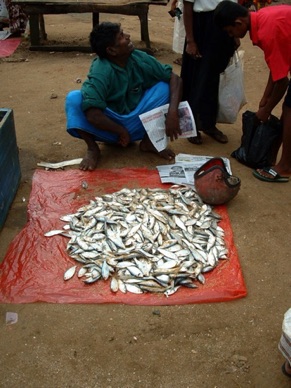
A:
{"points": [[35, 9]]}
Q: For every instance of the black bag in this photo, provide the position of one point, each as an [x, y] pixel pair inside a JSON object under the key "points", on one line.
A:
{"points": [[260, 142]]}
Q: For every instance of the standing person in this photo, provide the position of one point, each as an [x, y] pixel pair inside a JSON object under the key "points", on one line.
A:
{"points": [[179, 29], [17, 19], [207, 52], [4, 16], [270, 29], [122, 84]]}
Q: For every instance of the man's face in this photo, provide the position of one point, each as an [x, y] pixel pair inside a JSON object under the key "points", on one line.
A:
{"points": [[123, 44], [239, 30]]}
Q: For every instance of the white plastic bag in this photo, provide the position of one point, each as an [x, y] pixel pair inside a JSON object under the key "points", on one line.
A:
{"points": [[179, 31], [231, 96], [286, 325]]}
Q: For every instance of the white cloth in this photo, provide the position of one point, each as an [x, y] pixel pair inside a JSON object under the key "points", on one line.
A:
{"points": [[285, 340], [179, 31], [205, 5]]}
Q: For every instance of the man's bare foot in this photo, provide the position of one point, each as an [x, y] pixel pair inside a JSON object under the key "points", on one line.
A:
{"points": [[90, 160], [146, 146]]}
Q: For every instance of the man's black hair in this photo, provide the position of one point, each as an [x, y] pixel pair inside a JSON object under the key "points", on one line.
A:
{"points": [[227, 12], [102, 36]]}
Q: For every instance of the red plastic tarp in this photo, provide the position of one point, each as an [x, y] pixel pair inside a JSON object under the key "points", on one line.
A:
{"points": [[8, 46], [34, 266]]}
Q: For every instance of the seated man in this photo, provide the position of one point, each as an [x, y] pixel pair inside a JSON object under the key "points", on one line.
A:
{"points": [[122, 84]]}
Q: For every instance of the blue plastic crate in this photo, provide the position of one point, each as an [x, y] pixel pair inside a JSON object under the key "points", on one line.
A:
{"points": [[9, 163]]}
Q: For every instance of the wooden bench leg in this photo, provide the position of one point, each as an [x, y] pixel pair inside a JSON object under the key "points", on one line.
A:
{"points": [[95, 18], [34, 29], [144, 30], [43, 34]]}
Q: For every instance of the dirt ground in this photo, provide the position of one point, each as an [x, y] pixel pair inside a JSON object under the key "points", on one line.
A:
{"points": [[231, 344]]}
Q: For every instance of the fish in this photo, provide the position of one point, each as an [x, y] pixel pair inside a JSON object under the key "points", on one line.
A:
{"points": [[70, 272], [54, 233], [144, 240]]}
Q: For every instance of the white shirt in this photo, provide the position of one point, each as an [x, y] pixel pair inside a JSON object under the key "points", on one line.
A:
{"points": [[205, 5]]}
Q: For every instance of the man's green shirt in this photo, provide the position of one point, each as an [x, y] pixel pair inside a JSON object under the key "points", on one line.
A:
{"points": [[121, 89]]}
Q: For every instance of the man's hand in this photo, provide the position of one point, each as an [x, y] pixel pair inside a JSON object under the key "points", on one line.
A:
{"points": [[192, 49], [263, 114], [172, 125], [97, 118]]}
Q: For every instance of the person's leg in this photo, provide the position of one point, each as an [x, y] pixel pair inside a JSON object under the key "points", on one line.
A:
{"points": [[201, 76], [78, 125], [93, 153], [218, 49], [190, 74], [283, 167], [147, 146]]}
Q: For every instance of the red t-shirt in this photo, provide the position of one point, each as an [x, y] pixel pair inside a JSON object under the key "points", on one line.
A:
{"points": [[271, 31]]}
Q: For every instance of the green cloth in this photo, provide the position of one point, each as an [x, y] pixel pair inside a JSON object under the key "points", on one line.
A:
{"points": [[121, 89]]}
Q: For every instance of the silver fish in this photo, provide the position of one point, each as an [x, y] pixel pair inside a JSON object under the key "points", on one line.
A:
{"points": [[70, 272], [145, 240]]}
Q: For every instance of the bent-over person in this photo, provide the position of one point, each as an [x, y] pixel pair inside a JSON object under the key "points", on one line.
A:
{"points": [[270, 29]]}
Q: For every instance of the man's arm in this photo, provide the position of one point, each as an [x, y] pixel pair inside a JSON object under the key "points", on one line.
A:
{"points": [[172, 119], [97, 118], [273, 94]]}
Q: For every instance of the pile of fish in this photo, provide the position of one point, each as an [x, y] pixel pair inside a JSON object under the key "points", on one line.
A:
{"points": [[144, 240]]}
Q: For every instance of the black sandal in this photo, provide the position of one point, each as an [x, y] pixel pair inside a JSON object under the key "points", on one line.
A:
{"points": [[196, 139], [217, 135]]}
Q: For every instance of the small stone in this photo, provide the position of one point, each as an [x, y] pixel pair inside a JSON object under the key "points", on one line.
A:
{"points": [[85, 185]]}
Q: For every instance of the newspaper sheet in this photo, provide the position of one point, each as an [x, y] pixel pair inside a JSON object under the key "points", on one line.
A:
{"points": [[154, 123], [182, 172]]}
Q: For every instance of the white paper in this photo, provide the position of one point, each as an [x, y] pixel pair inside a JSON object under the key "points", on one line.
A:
{"points": [[182, 172], [11, 318], [199, 160], [60, 164], [154, 124]]}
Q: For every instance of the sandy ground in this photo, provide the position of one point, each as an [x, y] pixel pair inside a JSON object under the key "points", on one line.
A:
{"points": [[232, 344]]}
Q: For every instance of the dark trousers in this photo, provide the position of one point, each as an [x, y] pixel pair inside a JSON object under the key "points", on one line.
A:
{"points": [[201, 76]]}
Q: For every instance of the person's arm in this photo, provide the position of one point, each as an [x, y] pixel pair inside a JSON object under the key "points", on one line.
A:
{"points": [[273, 94], [191, 46], [172, 120], [97, 118], [174, 5]]}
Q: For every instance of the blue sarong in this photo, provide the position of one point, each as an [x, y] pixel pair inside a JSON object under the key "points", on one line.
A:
{"points": [[154, 97]]}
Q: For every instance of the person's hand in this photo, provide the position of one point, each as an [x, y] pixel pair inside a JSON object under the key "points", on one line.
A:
{"points": [[173, 5], [192, 49], [263, 114], [172, 125], [124, 138]]}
